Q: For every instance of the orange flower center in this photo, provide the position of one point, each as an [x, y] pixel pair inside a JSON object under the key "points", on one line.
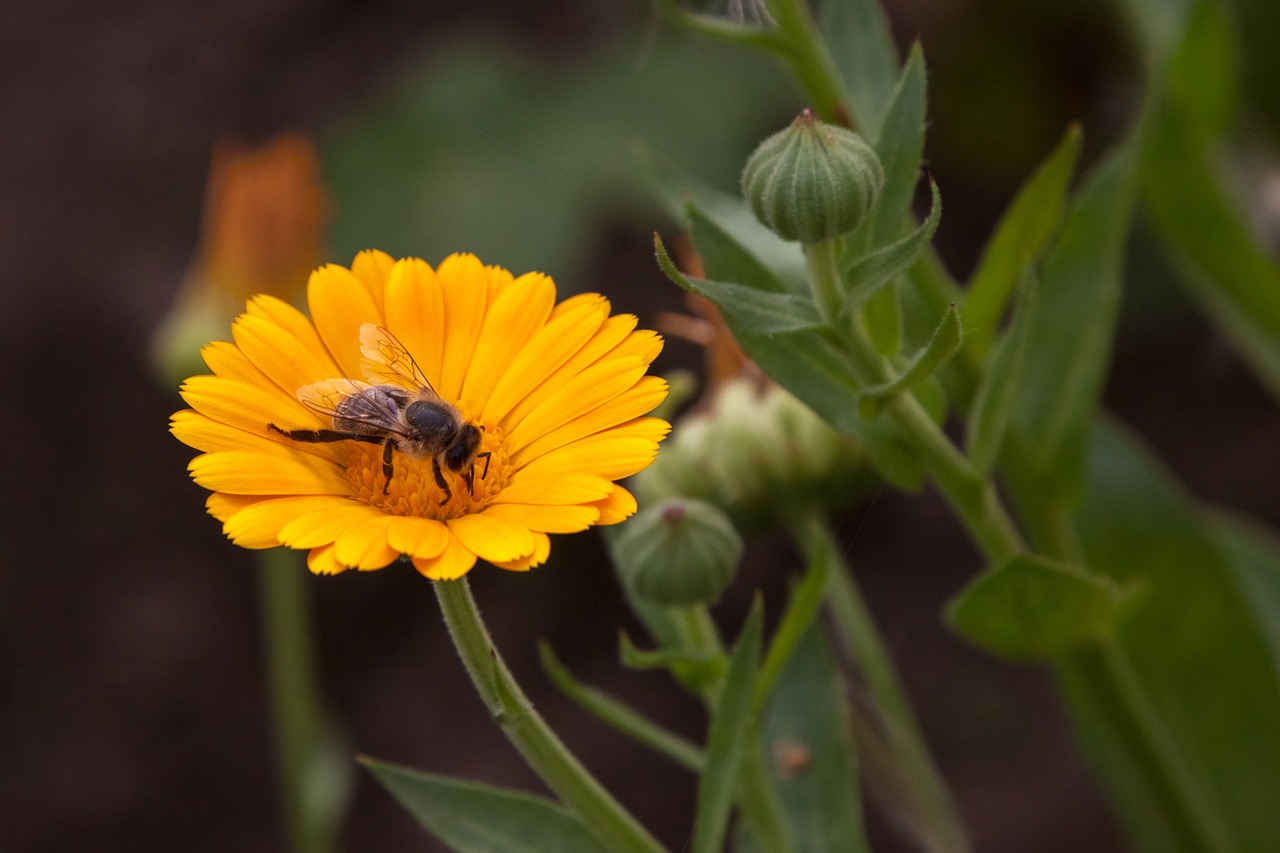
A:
{"points": [[412, 489]]}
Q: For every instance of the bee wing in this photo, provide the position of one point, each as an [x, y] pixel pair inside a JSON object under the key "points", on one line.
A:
{"points": [[386, 361], [350, 406]]}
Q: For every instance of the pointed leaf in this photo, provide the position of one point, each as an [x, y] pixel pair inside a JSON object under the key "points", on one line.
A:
{"points": [[900, 146], [945, 343], [727, 738], [620, 716], [473, 818], [808, 737], [861, 42], [997, 396], [1079, 299], [720, 250], [1031, 608], [1023, 232], [1198, 649], [870, 272], [756, 311]]}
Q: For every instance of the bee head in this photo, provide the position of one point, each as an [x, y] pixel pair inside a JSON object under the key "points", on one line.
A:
{"points": [[462, 451]]}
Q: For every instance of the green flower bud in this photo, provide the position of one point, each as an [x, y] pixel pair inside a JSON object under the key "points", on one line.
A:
{"points": [[812, 181], [758, 454], [677, 553]]}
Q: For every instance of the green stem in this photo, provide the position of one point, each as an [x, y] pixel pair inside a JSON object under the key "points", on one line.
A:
{"points": [[974, 498], [811, 61], [824, 280], [861, 641], [313, 778], [528, 732]]}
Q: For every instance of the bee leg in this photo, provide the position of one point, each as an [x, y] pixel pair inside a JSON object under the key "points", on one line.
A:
{"points": [[485, 456], [387, 470], [440, 480], [324, 436]]}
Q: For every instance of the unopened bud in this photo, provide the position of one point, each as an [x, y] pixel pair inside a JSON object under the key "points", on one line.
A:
{"points": [[812, 181], [677, 553]]}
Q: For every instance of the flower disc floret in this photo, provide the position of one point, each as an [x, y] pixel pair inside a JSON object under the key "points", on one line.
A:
{"points": [[558, 392]]}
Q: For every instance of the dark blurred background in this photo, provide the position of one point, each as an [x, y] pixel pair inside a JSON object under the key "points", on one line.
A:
{"points": [[133, 712]]}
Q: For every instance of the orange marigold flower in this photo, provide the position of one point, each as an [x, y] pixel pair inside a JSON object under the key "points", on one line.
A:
{"points": [[320, 434]]}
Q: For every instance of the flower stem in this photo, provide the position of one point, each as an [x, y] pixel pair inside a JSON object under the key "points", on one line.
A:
{"points": [[529, 733], [811, 61], [929, 800], [314, 775]]}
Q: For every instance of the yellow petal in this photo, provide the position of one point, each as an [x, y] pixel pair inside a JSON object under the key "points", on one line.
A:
{"points": [[415, 314], [574, 303], [222, 506], [418, 537], [247, 472], [258, 524], [543, 355], [546, 519], [619, 506], [513, 318], [284, 359], [249, 407], [586, 392], [340, 304], [452, 563], [373, 268], [324, 526], [542, 550], [364, 545], [491, 538], [465, 287], [611, 332], [204, 433], [297, 324], [550, 491], [604, 454], [225, 360], [321, 561], [647, 393]]}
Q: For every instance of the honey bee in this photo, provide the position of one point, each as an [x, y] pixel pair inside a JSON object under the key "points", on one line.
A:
{"points": [[400, 411]]}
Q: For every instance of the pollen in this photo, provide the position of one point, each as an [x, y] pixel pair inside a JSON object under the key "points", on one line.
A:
{"points": [[413, 490]]}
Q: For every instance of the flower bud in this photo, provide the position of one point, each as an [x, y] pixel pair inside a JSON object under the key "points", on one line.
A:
{"points": [[812, 181], [758, 454], [677, 553]]}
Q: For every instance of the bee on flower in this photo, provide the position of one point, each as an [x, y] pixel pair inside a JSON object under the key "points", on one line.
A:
{"points": [[445, 415]]}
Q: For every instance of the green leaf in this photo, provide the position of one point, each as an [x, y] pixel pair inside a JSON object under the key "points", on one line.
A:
{"points": [[727, 739], [812, 368], [473, 818], [1032, 608], [1001, 383], [721, 250], [808, 736], [1197, 650], [945, 343], [620, 716], [1235, 281], [1254, 552], [757, 312], [1072, 331], [708, 666], [866, 275], [728, 227], [1022, 234], [900, 146], [861, 42]]}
